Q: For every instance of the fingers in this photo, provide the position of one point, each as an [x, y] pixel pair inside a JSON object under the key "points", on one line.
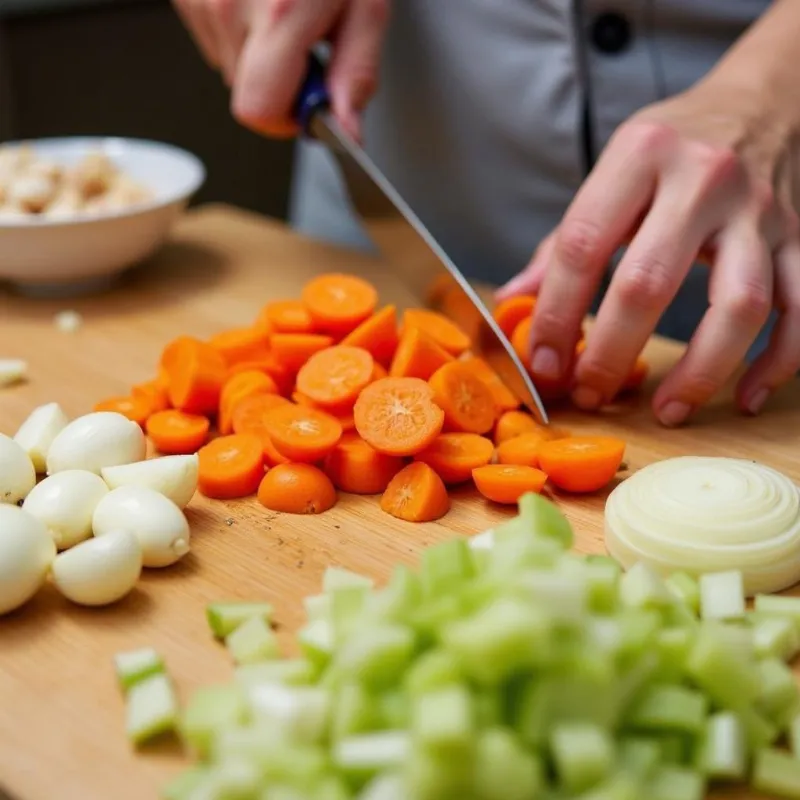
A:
{"points": [[195, 16], [354, 69], [741, 294], [781, 361], [529, 281], [615, 195], [230, 29]]}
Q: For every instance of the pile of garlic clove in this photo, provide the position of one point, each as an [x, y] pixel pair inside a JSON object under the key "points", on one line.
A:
{"points": [[100, 514]]}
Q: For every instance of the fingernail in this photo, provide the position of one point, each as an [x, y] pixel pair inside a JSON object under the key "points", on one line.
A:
{"points": [[756, 402], [545, 363], [674, 413], [586, 398]]}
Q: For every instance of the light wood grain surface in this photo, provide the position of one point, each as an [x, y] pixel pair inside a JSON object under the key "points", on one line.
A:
{"points": [[61, 716]]}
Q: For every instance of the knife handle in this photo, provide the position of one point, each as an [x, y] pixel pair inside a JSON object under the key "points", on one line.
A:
{"points": [[313, 94]]}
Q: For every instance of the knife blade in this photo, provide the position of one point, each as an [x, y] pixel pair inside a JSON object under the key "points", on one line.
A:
{"points": [[407, 244]]}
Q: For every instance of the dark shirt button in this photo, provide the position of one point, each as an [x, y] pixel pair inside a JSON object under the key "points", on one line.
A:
{"points": [[611, 33]]}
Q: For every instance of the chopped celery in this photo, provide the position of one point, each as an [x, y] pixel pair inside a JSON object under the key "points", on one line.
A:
{"points": [[211, 708], [372, 752], [621, 786], [317, 641], [779, 606], [432, 670], [151, 709], [686, 589], [643, 587], [639, 755], [583, 754], [446, 566], [675, 783], [252, 641], [504, 769], [673, 646], [668, 708], [340, 578], [776, 773], [723, 750], [136, 665], [545, 519], [225, 618], [354, 711], [317, 606], [794, 736], [290, 671], [482, 541], [778, 698], [565, 596], [602, 583], [186, 782], [444, 719], [759, 731], [394, 710], [775, 637], [233, 779], [300, 712], [722, 595], [377, 656], [387, 786], [347, 605]]}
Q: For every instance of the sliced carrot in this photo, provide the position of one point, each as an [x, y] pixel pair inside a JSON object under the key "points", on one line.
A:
{"points": [[302, 433], [521, 340], [236, 388], [418, 356], [398, 416], [506, 483], [172, 353], [442, 330], [241, 344], [285, 316], [343, 414], [175, 432], [137, 408], [339, 303], [297, 489], [453, 456], [416, 494], [377, 333], [292, 350], [357, 467], [249, 412], [467, 403], [155, 391], [504, 398], [230, 466], [582, 463], [637, 377], [334, 377], [378, 372], [196, 375], [522, 450], [510, 312], [514, 423], [269, 365]]}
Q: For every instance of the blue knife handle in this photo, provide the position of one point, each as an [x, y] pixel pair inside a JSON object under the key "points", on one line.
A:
{"points": [[313, 95]]}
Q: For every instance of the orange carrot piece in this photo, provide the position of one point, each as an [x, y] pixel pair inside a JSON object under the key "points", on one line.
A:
{"points": [[514, 423], [521, 340], [297, 489], [637, 377], [236, 388], [241, 344], [418, 356], [339, 303], [155, 391], [378, 372], [334, 377], [230, 466], [172, 353], [522, 450], [416, 494], [377, 333], [249, 412], [510, 312], [453, 456], [506, 483], [582, 463], [302, 433], [292, 350], [357, 467], [175, 432], [467, 403], [442, 330], [343, 413], [137, 408], [196, 375], [285, 316], [398, 416], [269, 365], [504, 398]]}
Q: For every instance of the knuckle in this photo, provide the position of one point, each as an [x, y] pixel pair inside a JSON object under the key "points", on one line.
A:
{"points": [[697, 387], [547, 324], [645, 137], [646, 284], [716, 166], [600, 373], [576, 243], [749, 304], [764, 198]]}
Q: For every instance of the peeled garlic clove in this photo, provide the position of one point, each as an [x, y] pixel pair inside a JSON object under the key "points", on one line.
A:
{"points": [[26, 553], [17, 475], [37, 433], [65, 503], [173, 476], [99, 571], [161, 527], [94, 441], [12, 370]]}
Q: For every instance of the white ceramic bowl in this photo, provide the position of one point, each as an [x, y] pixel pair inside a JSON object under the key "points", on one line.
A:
{"points": [[42, 255]]}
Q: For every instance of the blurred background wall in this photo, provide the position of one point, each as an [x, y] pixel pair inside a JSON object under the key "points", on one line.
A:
{"points": [[128, 68]]}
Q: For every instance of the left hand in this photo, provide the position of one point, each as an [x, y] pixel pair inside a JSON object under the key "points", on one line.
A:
{"points": [[706, 171]]}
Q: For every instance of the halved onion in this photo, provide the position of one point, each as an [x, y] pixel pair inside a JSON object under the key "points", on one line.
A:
{"points": [[709, 514]]}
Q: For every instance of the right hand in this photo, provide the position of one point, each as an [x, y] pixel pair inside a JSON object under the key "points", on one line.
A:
{"points": [[261, 48]]}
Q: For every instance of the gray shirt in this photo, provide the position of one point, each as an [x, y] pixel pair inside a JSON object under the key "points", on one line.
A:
{"points": [[490, 113]]}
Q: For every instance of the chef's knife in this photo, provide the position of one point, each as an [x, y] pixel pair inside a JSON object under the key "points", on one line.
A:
{"points": [[402, 238]]}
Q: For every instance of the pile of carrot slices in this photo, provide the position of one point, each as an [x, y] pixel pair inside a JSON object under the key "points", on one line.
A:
{"points": [[331, 392]]}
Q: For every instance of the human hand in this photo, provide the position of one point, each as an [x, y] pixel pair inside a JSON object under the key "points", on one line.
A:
{"points": [[262, 46], [705, 172]]}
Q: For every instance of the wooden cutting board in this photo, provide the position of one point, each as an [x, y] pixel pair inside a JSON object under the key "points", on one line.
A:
{"points": [[61, 715]]}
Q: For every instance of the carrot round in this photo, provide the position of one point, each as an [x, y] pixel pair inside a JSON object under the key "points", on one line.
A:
{"points": [[506, 483], [249, 412], [582, 463], [442, 330], [377, 334], [453, 456], [504, 398], [522, 450], [467, 403], [269, 365], [302, 433], [339, 303], [172, 353], [297, 489], [514, 423], [637, 376], [416, 494], [397, 416], [155, 391], [137, 408], [196, 374], [236, 388], [174, 432], [510, 312], [240, 344], [521, 340], [417, 356], [343, 413], [230, 466], [292, 350], [285, 316], [335, 376], [357, 467]]}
